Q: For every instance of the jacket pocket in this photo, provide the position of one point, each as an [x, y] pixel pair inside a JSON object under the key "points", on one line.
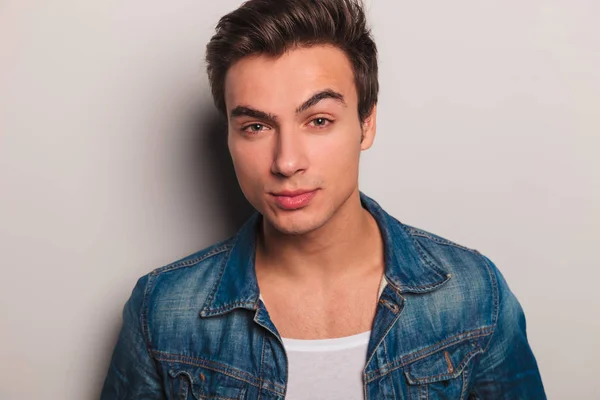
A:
{"points": [[196, 383], [444, 373]]}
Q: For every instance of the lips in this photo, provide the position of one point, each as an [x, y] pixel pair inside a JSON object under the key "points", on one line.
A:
{"points": [[293, 200]]}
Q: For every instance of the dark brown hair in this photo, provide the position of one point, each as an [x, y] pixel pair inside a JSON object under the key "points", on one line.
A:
{"points": [[272, 27]]}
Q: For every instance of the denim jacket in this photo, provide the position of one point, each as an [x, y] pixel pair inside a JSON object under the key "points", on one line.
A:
{"points": [[446, 326]]}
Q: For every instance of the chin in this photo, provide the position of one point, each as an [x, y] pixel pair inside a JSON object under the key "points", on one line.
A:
{"points": [[295, 224]]}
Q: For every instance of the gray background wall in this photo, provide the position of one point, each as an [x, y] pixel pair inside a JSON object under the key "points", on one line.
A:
{"points": [[111, 164]]}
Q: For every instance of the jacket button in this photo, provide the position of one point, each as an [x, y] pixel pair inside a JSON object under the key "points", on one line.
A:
{"points": [[391, 306]]}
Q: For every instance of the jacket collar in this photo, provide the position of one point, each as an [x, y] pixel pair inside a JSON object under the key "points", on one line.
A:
{"points": [[407, 267]]}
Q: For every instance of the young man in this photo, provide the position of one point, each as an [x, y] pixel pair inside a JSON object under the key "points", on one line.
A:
{"points": [[321, 294]]}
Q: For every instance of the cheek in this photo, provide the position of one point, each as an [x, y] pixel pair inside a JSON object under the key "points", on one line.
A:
{"points": [[248, 166], [339, 152]]}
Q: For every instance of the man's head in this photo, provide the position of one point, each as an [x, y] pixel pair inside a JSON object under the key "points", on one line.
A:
{"points": [[297, 81]]}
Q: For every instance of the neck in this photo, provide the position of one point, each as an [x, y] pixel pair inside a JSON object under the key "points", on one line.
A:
{"points": [[348, 244]]}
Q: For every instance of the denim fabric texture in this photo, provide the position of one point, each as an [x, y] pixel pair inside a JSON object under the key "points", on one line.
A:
{"points": [[447, 326]]}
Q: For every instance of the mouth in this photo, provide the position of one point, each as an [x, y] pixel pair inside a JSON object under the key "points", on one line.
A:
{"points": [[293, 200]]}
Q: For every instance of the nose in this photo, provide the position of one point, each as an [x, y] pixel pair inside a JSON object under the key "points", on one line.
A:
{"points": [[290, 154]]}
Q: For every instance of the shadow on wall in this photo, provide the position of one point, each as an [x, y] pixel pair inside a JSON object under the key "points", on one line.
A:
{"points": [[212, 161], [208, 165]]}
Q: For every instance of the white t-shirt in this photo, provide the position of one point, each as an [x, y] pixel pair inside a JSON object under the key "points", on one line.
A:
{"points": [[327, 369]]}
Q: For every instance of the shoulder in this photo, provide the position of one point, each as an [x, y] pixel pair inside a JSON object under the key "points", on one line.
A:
{"points": [[457, 259], [196, 261], [432, 239], [475, 276], [187, 279]]}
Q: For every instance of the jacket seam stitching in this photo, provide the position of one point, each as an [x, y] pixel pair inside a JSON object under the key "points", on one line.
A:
{"points": [[260, 371], [428, 351], [195, 260], [213, 292], [461, 366], [418, 232], [230, 305], [144, 316], [426, 258], [496, 297], [387, 330], [214, 366], [465, 385], [420, 288], [387, 361]]}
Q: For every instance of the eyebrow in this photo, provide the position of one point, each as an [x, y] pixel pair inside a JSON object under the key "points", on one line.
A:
{"points": [[240, 111], [317, 97]]}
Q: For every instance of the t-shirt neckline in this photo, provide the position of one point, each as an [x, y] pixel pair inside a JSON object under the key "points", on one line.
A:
{"points": [[330, 344]]}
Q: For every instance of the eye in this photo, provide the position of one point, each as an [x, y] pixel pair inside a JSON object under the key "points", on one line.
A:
{"points": [[320, 122], [254, 128]]}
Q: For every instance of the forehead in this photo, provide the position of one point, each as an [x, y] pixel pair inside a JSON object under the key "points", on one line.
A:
{"points": [[280, 84]]}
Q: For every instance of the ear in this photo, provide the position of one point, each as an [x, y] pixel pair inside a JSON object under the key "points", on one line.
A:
{"points": [[369, 126]]}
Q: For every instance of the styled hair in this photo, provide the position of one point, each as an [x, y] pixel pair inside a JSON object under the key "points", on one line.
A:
{"points": [[271, 27]]}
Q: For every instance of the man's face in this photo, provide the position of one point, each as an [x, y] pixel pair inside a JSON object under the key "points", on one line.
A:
{"points": [[295, 134]]}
